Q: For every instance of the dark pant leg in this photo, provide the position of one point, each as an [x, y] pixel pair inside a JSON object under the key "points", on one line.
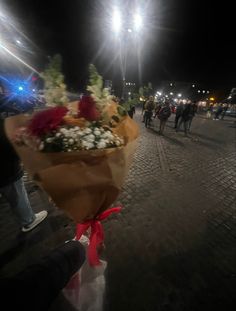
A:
{"points": [[189, 123], [176, 121], [179, 125], [186, 125], [148, 118], [162, 126]]}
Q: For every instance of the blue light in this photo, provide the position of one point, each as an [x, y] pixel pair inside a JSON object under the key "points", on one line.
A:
{"points": [[17, 87]]}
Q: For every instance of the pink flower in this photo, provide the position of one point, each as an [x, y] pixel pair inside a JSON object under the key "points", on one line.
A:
{"points": [[87, 109], [46, 121]]}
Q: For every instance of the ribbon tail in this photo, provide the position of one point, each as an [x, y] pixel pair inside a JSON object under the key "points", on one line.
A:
{"points": [[108, 212], [96, 238], [81, 228]]}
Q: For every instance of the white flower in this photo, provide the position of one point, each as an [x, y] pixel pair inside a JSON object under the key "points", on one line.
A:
{"points": [[87, 131], [90, 145], [58, 134], [41, 146], [101, 144], [90, 137], [49, 139], [97, 132], [63, 130], [76, 128], [71, 141], [67, 134], [108, 135], [87, 144], [79, 133], [84, 143]]}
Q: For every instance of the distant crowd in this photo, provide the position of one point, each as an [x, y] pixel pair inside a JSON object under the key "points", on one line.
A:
{"points": [[184, 114]]}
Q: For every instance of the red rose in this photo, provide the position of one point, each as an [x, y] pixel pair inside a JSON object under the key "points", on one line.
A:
{"points": [[87, 109], [47, 120]]}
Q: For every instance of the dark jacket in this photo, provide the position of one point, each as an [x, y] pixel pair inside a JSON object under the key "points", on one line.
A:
{"points": [[164, 113], [187, 112], [149, 106], [10, 166], [179, 110]]}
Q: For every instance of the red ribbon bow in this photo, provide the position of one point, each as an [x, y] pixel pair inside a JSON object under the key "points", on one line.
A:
{"points": [[97, 234]]}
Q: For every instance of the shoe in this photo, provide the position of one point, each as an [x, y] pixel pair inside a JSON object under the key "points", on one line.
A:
{"points": [[39, 218]]}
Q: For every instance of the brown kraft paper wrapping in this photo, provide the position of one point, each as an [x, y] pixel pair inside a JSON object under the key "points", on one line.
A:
{"points": [[82, 183]]}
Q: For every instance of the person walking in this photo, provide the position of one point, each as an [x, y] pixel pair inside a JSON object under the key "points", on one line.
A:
{"points": [[149, 107], [157, 109], [209, 111], [192, 112], [12, 185], [163, 116], [186, 115], [178, 114], [218, 112], [225, 108], [131, 111], [131, 107]]}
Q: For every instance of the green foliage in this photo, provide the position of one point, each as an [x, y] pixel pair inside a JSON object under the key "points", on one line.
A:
{"points": [[146, 90], [54, 86], [130, 103], [141, 91], [121, 110]]}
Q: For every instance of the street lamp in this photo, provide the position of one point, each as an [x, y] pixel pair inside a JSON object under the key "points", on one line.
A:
{"points": [[124, 31], [138, 21], [116, 21], [179, 95]]}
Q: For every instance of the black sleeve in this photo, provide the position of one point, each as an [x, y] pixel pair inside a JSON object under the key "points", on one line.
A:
{"points": [[35, 288]]}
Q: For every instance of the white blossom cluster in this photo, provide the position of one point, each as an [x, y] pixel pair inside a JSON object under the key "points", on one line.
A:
{"points": [[70, 139]]}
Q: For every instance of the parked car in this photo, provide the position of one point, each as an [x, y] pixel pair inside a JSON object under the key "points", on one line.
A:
{"points": [[231, 113]]}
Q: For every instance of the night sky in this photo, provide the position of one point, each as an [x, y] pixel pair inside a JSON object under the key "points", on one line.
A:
{"points": [[183, 40]]}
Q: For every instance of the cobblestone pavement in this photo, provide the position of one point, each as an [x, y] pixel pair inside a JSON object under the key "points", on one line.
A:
{"points": [[173, 247]]}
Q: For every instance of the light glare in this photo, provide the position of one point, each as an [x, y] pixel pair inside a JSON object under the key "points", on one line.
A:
{"points": [[138, 22], [116, 21]]}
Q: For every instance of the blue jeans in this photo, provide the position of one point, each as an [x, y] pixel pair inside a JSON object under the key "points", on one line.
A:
{"points": [[17, 197]]}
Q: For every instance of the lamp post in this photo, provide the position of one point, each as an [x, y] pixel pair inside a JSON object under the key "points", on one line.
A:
{"points": [[123, 29]]}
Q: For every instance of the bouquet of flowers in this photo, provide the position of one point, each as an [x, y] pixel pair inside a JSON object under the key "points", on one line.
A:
{"points": [[79, 153]]}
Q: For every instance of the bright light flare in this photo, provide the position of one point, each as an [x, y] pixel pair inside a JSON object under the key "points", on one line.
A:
{"points": [[138, 22], [2, 46], [116, 21]]}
